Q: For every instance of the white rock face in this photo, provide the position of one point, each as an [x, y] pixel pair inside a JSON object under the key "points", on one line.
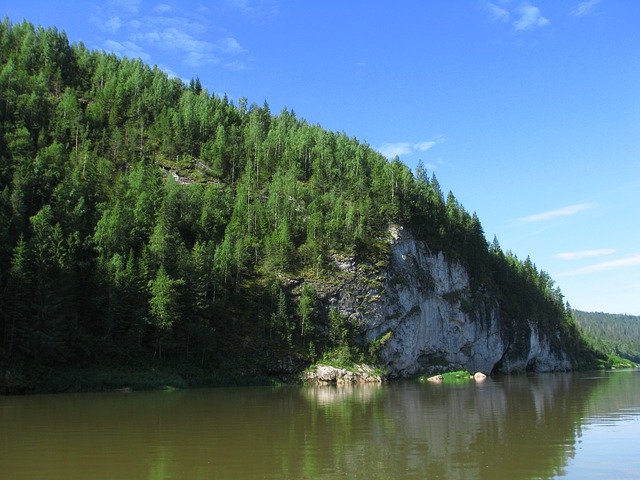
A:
{"points": [[540, 356], [426, 303], [325, 374]]}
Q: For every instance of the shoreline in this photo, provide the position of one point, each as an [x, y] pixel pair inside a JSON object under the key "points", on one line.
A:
{"points": [[125, 379], [102, 378]]}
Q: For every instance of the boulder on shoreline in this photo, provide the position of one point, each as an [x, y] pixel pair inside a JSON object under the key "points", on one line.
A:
{"points": [[326, 374], [479, 376]]}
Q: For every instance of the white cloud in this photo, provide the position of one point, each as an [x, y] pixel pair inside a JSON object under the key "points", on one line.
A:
{"points": [[196, 59], [390, 150], [424, 146], [196, 52], [628, 261], [109, 23], [175, 39], [585, 254], [114, 46], [583, 8], [497, 13], [230, 46], [170, 73], [126, 48], [522, 17], [560, 212], [170, 29], [530, 17]]}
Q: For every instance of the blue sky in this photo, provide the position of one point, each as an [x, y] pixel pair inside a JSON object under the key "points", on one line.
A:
{"points": [[528, 111]]}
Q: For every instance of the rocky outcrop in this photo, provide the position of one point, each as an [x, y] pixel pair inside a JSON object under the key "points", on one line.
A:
{"points": [[422, 305], [325, 374], [479, 377]]}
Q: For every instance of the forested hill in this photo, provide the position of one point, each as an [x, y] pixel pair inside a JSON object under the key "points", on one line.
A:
{"points": [[613, 333], [143, 218]]}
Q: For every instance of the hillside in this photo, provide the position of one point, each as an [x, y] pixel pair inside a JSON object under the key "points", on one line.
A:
{"points": [[612, 333], [144, 221]]}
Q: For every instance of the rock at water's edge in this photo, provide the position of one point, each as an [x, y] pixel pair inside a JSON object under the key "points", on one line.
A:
{"points": [[325, 374], [479, 376]]}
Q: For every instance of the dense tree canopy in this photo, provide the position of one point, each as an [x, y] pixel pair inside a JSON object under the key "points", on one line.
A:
{"points": [[613, 333], [143, 217]]}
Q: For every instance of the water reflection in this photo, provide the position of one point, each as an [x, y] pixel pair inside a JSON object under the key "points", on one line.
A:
{"points": [[510, 427], [516, 427], [330, 394]]}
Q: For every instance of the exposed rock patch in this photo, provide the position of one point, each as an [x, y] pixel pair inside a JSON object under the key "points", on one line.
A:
{"points": [[479, 377], [325, 374]]}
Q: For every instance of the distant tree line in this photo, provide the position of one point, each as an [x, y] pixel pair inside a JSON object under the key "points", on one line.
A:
{"points": [[612, 333], [144, 218]]}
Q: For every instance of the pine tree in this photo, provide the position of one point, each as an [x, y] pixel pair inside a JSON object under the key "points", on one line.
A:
{"points": [[163, 307]]}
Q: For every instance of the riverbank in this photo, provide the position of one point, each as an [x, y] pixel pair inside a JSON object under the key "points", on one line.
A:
{"points": [[166, 376], [19, 381]]}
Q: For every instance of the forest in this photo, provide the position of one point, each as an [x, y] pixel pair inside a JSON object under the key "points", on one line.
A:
{"points": [[144, 220], [616, 334]]}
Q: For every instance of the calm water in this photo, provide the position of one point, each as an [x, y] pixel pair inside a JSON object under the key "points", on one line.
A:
{"points": [[582, 426]]}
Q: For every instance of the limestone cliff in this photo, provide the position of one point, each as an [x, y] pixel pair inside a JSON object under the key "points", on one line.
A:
{"points": [[423, 305]]}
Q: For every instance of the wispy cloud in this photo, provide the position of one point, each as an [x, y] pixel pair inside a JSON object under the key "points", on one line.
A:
{"points": [[257, 10], [128, 6], [127, 48], [391, 150], [168, 71], [584, 8], [497, 13], [229, 45], [628, 261], [112, 24], [522, 17], [174, 39], [424, 146], [530, 17], [136, 32], [195, 58], [191, 25], [579, 255], [559, 212], [434, 166]]}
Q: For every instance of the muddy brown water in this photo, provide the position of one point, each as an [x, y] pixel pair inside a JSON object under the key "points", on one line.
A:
{"points": [[580, 425]]}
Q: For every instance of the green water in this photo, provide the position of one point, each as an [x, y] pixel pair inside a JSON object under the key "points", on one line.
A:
{"points": [[583, 426]]}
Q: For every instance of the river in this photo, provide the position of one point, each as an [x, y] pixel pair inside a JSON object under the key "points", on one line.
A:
{"points": [[550, 426]]}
